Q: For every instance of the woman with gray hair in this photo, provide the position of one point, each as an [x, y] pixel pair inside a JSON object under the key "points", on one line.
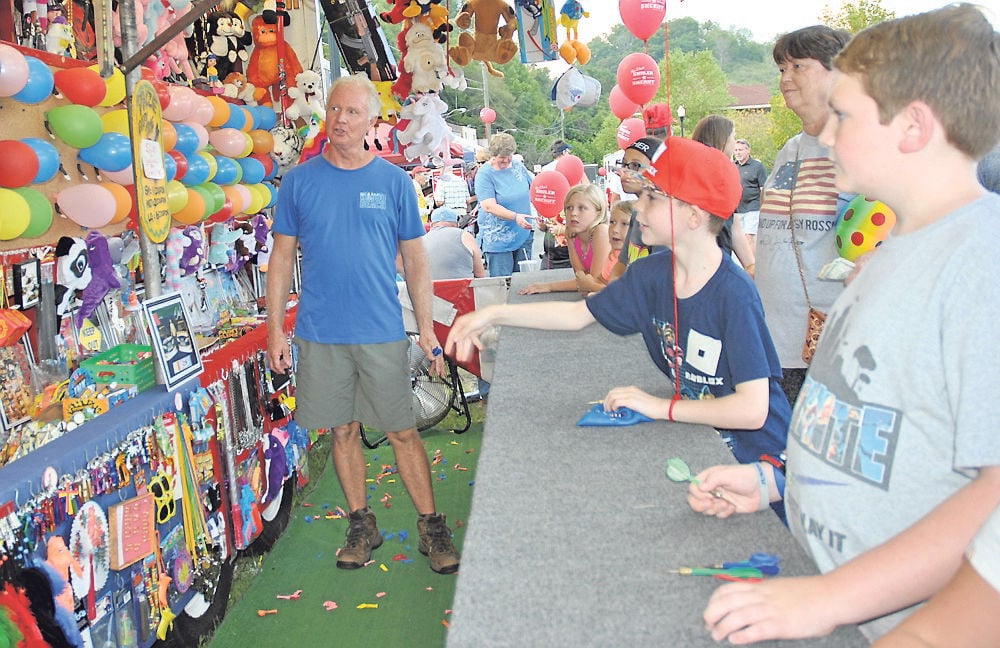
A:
{"points": [[505, 220]]}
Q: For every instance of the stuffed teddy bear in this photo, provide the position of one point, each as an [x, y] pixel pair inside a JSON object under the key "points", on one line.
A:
{"points": [[262, 69], [235, 85], [425, 60], [307, 96], [490, 43]]}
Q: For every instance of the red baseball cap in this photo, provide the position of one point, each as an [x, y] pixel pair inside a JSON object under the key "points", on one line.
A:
{"points": [[696, 174]]}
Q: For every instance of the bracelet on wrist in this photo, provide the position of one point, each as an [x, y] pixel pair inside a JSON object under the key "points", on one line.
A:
{"points": [[670, 410], [765, 498]]}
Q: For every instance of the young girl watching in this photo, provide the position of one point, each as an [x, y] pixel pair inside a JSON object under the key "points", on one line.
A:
{"points": [[584, 211], [618, 225]]}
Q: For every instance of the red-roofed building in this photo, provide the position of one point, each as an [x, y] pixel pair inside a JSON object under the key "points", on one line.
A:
{"points": [[750, 97]]}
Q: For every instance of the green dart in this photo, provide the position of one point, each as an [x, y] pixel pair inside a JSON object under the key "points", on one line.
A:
{"points": [[678, 471]]}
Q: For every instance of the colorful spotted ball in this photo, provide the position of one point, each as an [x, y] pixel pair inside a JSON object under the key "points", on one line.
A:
{"points": [[862, 226]]}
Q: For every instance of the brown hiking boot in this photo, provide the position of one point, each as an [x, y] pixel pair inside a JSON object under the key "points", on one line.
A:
{"points": [[362, 538], [435, 543]]}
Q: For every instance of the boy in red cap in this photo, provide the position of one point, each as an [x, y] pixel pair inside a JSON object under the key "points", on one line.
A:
{"points": [[717, 353]]}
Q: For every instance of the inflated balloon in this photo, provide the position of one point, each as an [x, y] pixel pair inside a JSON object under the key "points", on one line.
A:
{"points": [[40, 210], [187, 139], [247, 145], [629, 131], [48, 159], [114, 86], [229, 142], [123, 200], [115, 121], [248, 122], [197, 171], [193, 210], [487, 115], [80, 86], [862, 226], [200, 132], [264, 118], [213, 165], [87, 204], [571, 167], [257, 198], [224, 214], [638, 77], [244, 201], [180, 163], [227, 172], [15, 215], [162, 93], [642, 17], [76, 126], [235, 199], [271, 189], [547, 193], [39, 85], [124, 177], [177, 196], [203, 111], [113, 151], [168, 135], [237, 117], [169, 167], [216, 195], [263, 142], [220, 111], [253, 170], [18, 164], [181, 104], [270, 167], [13, 71], [621, 106]]}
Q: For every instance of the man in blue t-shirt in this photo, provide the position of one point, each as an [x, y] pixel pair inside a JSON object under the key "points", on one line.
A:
{"points": [[348, 212]]}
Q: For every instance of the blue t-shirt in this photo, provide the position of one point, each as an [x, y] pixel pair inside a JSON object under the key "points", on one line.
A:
{"points": [[510, 188], [348, 223], [723, 339]]}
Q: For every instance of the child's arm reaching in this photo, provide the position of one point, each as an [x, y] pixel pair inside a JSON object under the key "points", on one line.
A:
{"points": [[744, 409]]}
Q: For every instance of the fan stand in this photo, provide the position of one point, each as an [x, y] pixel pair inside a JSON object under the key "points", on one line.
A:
{"points": [[431, 407]]}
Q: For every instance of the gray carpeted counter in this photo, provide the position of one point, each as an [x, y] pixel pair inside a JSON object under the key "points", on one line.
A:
{"points": [[573, 530]]}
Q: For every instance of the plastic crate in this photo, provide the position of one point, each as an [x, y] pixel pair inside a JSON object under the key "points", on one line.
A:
{"points": [[121, 364]]}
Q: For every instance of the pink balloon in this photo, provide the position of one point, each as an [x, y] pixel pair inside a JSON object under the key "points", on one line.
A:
{"points": [[571, 167], [642, 17], [87, 204], [548, 191], [638, 77], [245, 197], [203, 110], [621, 106], [123, 177], [630, 130], [181, 104], [201, 132], [487, 115], [13, 71], [229, 142]]}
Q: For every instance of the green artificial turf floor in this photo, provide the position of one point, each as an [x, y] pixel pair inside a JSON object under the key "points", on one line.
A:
{"points": [[397, 601]]}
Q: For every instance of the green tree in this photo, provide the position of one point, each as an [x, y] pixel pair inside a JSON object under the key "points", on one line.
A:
{"points": [[855, 16]]}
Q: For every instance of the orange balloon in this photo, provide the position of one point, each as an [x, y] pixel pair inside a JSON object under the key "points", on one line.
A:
{"points": [[193, 211], [123, 200], [248, 121], [235, 198], [221, 111], [263, 142], [169, 136]]}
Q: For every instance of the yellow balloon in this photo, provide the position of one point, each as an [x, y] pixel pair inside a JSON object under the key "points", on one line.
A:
{"points": [[114, 87], [177, 196], [247, 145], [213, 166], [15, 215], [115, 121], [257, 199]]}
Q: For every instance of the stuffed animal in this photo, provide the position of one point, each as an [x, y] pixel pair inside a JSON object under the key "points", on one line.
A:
{"points": [[102, 275], [388, 106], [72, 271], [570, 15], [262, 69], [140, 26], [287, 147], [235, 85], [425, 62], [489, 43], [176, 49], [228, 40], [428, 12], [59, 38], [307, 96], [422, 133]]}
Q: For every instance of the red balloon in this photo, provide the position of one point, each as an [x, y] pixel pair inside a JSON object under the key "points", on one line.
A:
{"points": [[266, 160], [571, 167], [223, 214], [81, 86], [621, 106], [162, 93], [182, 163], [548, 191], [642, 17], [18, 164], [630, 130], [487, 115], [638, 77]]}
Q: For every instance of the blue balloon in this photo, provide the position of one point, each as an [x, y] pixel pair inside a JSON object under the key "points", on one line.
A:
{"points": [[48, 158], [170, 167], [253, 170], [197, 171], [264, 117], [237, 118], [274, 169], [187, 140], [228, 173], [113, 152], [274, 194], [40, 82]]}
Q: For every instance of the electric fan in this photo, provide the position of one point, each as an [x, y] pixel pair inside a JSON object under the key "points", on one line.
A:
{"points": [[433, 396]]}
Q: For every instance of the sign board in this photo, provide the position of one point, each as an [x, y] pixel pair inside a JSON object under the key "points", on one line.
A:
{"points": [[147, 155]]}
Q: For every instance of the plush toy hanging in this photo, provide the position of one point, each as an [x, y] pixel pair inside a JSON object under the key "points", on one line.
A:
{"points": [[489, 42], [306, 96], [227, 38], [72, 272], [264, 65], [102, 273]]}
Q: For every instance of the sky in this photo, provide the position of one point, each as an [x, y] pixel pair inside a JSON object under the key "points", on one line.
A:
{"points": [[765, 19]]}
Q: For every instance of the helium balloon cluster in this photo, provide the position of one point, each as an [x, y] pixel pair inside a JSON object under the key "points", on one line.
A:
{"points": [[638, 75]]}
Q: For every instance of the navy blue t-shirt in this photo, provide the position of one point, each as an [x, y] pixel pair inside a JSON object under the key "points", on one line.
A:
{"points": [[723, 340]]}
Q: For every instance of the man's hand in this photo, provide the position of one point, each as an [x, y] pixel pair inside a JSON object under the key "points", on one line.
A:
{"points": [[465, 332]]}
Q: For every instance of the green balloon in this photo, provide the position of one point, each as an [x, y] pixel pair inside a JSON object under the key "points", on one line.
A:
{"points": [[77, 126], [218, 197], [41, 211], [206, 196]]}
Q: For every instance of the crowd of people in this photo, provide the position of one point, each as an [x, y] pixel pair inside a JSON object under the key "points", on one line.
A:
{"points": [[881, 438]]}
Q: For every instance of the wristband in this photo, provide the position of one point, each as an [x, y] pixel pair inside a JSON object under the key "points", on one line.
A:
{"points": [[779, 483], [765, 498], [670, 410]]}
